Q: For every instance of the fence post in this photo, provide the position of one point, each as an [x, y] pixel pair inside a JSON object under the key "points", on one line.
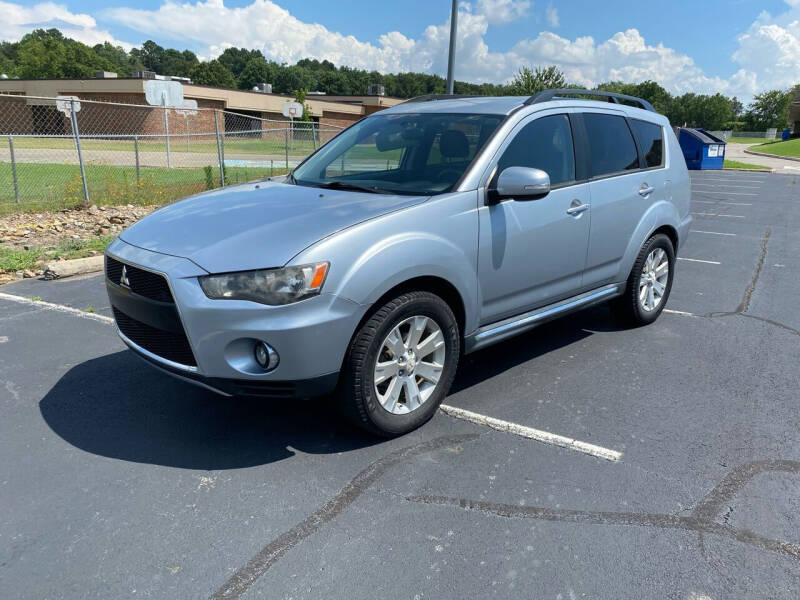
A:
{"points": [[166, 131], [286, 145], [314, 136], [136, 152], [220, 155], [13, 168], [77, 136]]}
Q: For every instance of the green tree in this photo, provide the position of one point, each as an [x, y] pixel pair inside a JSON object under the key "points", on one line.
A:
{"points": [[300, 96], [236, 59], [212, 73], [124, 63], [151, 55], [770, 109], [257, 70], [528, 82]]}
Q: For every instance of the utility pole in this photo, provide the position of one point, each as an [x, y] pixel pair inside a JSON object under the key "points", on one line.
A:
{"points": [[452, 57]]}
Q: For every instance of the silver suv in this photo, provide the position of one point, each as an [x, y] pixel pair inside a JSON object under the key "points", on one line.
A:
{"points": [[428, 230]]}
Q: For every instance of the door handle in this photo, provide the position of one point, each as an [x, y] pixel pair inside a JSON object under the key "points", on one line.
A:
{"points": [[646, 190], [576, 208]]}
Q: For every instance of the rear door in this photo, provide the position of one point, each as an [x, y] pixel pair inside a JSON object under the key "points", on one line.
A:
{"points": [[621, 185]]}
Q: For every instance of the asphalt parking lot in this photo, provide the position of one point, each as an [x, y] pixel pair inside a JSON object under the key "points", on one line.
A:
{"points": [[118, 481]]}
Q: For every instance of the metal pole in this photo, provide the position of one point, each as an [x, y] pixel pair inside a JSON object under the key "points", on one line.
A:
{"points": [[186, 128], [451, 59], [314, 136], [13, 168], [220, 156], [286, 145], [76, 135], [136, 152], [166, 130]]}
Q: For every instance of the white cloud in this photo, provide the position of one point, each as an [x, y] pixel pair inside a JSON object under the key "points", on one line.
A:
{"points": [[502, 11], [17, 20], [551, 16], [768, 53]]}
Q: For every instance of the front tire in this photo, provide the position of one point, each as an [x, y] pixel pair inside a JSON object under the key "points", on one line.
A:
{"points": [[649, 283], [400, 364]]}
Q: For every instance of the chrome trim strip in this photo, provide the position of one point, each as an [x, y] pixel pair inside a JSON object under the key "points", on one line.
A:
{"points": [[155, 357], [183, 378], [526, 320]]}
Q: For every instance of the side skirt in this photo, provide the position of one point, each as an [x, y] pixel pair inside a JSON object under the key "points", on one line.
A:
{"points": [[501, 330]]}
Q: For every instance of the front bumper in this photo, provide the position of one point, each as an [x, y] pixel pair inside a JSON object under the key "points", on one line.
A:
{"points": [[311, 336]]}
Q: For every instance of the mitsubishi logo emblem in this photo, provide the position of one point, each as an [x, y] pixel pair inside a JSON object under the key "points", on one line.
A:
{"points": [[123, 279]]}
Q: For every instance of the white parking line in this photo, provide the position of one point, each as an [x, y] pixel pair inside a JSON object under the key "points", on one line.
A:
{"points": [[56, 307], [708, 262], [726, 193], [725, 185], [722, 202], [533, 434], [711, 232], [682, 313], [699, 179], [717, 215]]}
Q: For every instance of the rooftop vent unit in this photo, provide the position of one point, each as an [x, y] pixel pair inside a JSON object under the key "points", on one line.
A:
{"points": [[105, 75], [376, 90], [144, 74], [264, 88]]}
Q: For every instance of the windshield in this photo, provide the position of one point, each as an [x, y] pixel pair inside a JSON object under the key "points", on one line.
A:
{"points": [[419, 154]]}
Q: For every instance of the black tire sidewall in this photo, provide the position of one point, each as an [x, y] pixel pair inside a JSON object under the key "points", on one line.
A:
{"points": [[641, 316], [372, 413]]}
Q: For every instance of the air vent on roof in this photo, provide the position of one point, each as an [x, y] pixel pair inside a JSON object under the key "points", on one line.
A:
{"points": [[144, 74], [104, 75], [376, 90], [264, 88]]}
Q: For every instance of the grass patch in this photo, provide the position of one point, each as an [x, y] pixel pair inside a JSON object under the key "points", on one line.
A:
{"points": [[13, 259], [749, 140], [790, 148], [59, 186], [735, 164]]}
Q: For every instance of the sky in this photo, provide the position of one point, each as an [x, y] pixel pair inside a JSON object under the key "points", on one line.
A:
{"points": [[737, 47]]}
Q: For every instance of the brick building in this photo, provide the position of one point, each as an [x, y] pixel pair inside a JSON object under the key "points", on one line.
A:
{"points": [[245, 110]]}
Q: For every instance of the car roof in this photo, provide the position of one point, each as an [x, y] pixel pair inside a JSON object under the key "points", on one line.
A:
{"points": [[504, 105]]}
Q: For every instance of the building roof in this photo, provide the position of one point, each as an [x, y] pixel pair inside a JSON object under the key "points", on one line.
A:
{"points": [[242, 100]]}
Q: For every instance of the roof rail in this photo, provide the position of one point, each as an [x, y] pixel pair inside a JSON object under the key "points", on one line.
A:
{"points": [[613, 97], [429, 97]]}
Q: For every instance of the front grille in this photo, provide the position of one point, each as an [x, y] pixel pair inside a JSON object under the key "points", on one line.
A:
{"points": [[166, 344], [147, 284]]}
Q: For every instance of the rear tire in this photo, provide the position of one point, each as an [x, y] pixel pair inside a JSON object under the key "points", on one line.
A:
{"points": [[400, 364], [648, 286]]}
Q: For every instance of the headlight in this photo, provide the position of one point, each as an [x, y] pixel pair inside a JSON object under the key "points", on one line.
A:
{"points": [[267, 286]]}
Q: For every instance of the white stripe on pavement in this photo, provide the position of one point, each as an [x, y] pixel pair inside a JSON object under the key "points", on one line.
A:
{"points": [[711, 232], [56, 307], [533, 434], [708, 262], [699, 179], [682, 313], [722, 202], [727, 193], [718, 215]]}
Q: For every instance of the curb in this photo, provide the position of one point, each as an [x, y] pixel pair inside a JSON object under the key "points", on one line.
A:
{"points": [[764, 170], [70, 268], [772, 155]]}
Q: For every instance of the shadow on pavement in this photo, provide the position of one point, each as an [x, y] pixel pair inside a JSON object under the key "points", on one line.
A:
{"points": [[119, 407], [495, 360]]}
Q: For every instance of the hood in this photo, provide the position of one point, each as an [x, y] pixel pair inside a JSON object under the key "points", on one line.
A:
{"points": [[256, 225]]}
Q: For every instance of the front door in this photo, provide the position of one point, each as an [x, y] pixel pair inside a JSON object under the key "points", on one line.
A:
{"points": [[533, 252]]}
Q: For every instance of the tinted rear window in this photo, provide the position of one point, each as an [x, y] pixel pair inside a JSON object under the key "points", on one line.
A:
{"points": [[611, 146], [651, 141]]}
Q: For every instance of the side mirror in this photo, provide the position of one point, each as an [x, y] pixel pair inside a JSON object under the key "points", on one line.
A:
{"points": [[522, 183]]}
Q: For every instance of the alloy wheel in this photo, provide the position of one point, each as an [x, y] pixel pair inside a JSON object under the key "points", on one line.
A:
{"points": [[653, 279], [409, 364]]}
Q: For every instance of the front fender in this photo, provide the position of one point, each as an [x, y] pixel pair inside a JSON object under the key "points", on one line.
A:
{"points": [[438, 238]]}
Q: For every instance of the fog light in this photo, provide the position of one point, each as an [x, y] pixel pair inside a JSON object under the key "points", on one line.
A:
{"points": [[266, 356]]}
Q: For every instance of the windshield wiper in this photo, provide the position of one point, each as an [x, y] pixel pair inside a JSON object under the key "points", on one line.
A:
{"points": [[344, 185]]}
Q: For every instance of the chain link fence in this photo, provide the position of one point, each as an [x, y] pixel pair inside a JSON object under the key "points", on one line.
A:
{"points": [[57, 153]]}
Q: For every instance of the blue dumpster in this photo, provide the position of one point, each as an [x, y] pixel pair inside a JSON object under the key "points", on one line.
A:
{"points": [[701, 149]]}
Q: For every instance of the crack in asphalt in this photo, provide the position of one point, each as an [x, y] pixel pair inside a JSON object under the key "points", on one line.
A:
{"points": [[702, 520], [247, 575]]}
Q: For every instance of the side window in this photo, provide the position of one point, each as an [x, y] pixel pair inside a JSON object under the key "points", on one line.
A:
{"points": [[611, 146], [651, 141], [545, 144]]}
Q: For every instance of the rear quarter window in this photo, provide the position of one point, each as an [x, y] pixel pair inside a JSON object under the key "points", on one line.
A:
{"points": [[651, 141], [611, 145]]}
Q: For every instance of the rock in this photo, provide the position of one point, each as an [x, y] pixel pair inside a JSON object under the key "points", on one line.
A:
{"points": [[93, 209], [28, 274], [68, 268]]}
